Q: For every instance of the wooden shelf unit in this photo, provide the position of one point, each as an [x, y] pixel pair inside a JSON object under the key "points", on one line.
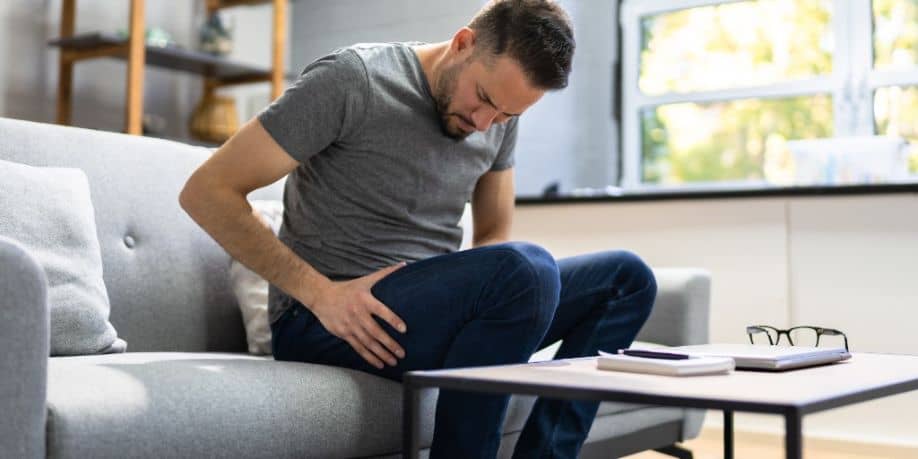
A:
{"points": [[216, 71]]}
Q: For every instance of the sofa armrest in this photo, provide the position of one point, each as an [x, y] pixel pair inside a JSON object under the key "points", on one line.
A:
{"points": [[24, 360], [680, 317], [682, 309]]}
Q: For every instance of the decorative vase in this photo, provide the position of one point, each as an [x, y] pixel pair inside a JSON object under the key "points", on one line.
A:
{"points": [[215, 118]]}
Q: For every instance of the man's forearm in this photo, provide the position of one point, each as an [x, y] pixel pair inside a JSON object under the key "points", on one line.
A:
{"points": [[228, 218]]}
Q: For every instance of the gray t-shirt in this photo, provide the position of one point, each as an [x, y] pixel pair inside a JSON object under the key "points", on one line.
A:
{"points": [[378, 181]]}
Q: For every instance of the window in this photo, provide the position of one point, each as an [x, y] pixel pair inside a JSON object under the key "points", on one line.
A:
{"points": [[715, 92], [895, 63]]}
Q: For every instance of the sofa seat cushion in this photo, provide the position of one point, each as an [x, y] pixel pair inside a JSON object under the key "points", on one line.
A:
{"points": [[229, 405]]}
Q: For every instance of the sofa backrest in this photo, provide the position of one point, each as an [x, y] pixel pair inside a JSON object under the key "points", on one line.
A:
{"points": [[166, 278]]}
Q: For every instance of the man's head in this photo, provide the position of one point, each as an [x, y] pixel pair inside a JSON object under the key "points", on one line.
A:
{"points": [[511, 53]]}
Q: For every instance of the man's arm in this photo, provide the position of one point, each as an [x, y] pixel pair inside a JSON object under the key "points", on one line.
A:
{"points": [[492, 208], [215, 197]]}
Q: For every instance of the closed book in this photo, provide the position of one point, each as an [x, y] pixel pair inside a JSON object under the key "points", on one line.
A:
{"points": [[684, 367]]}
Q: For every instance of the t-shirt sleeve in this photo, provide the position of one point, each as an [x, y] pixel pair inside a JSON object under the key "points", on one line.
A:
{"points": [[327, 102], [505, 155]]}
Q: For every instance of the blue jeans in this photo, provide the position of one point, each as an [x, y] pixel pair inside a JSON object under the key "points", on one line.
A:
{"points": [[494, 305]]}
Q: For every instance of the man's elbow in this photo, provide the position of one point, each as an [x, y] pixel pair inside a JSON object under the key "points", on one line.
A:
{"points": [[201, 198], [185, 197], [190, 196]]}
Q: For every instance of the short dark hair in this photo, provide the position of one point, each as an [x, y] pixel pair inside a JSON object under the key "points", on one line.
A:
{"points": [[536, 33]]}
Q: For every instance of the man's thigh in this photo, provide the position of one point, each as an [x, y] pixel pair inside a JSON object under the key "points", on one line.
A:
{"points": [[435, 298]]}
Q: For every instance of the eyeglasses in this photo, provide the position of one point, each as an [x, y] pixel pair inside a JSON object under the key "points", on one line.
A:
{"points": [[804, 335]]}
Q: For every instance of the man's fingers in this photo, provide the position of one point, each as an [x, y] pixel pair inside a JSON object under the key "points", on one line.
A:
{"points": [[376, 332], [386, 314], [364, 352], [373, 346]]}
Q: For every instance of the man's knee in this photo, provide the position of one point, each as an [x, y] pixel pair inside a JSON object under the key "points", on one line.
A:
{"points": [[632, 276], [535, 256], [535, 268], [533, 261]]}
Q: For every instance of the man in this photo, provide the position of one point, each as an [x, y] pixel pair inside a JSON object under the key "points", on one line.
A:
{"points": [[385, 144]]}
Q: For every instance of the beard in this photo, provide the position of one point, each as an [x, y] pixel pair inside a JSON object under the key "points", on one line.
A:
{"points": [[443, 97]]}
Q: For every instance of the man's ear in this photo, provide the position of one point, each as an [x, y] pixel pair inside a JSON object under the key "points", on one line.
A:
{"points": [[463, 42]]}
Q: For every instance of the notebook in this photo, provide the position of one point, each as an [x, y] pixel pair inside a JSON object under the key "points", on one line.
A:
{"points": [[756, 357], [686, 367]]}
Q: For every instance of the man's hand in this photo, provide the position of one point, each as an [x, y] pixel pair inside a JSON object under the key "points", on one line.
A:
{"points": [[346, 310]]}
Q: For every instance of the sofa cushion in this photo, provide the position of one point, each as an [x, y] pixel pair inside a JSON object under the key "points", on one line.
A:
{"points": [[229, 405], [251, 290], [49, 212]]}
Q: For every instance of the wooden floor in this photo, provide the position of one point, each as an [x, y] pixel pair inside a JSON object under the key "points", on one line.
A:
{"points": [[709, 445]]}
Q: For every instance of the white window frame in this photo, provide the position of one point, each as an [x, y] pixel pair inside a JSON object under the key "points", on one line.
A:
{"points": [[851, 83]]}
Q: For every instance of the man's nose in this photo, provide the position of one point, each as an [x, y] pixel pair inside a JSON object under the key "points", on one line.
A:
{"points": [[484, 117]]}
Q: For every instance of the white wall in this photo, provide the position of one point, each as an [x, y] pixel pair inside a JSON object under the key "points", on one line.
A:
{"points": [[320, 27], [841, 262], [570, 136]]}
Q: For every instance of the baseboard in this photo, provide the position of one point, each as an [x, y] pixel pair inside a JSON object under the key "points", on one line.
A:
{"points": [[832, 447]]}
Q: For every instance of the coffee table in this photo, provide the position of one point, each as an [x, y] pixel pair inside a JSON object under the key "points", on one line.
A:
{"points": [[791, 394]]}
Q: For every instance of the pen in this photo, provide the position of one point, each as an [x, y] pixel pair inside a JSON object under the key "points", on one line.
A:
{"points": [[653, 354]]}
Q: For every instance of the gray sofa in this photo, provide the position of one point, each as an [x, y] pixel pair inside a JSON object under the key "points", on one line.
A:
{"points": [[186, 387]]}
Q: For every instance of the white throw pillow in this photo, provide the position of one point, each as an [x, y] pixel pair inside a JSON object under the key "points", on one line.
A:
{"points": [[49, 212], [251, 290]]}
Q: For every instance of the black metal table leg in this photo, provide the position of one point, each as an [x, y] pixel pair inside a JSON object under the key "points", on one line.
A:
{"points": [[793, 436], [728, 434], [410, 435]]}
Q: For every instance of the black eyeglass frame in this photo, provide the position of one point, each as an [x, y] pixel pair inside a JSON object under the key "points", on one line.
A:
{"points": [[752, 329]]}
